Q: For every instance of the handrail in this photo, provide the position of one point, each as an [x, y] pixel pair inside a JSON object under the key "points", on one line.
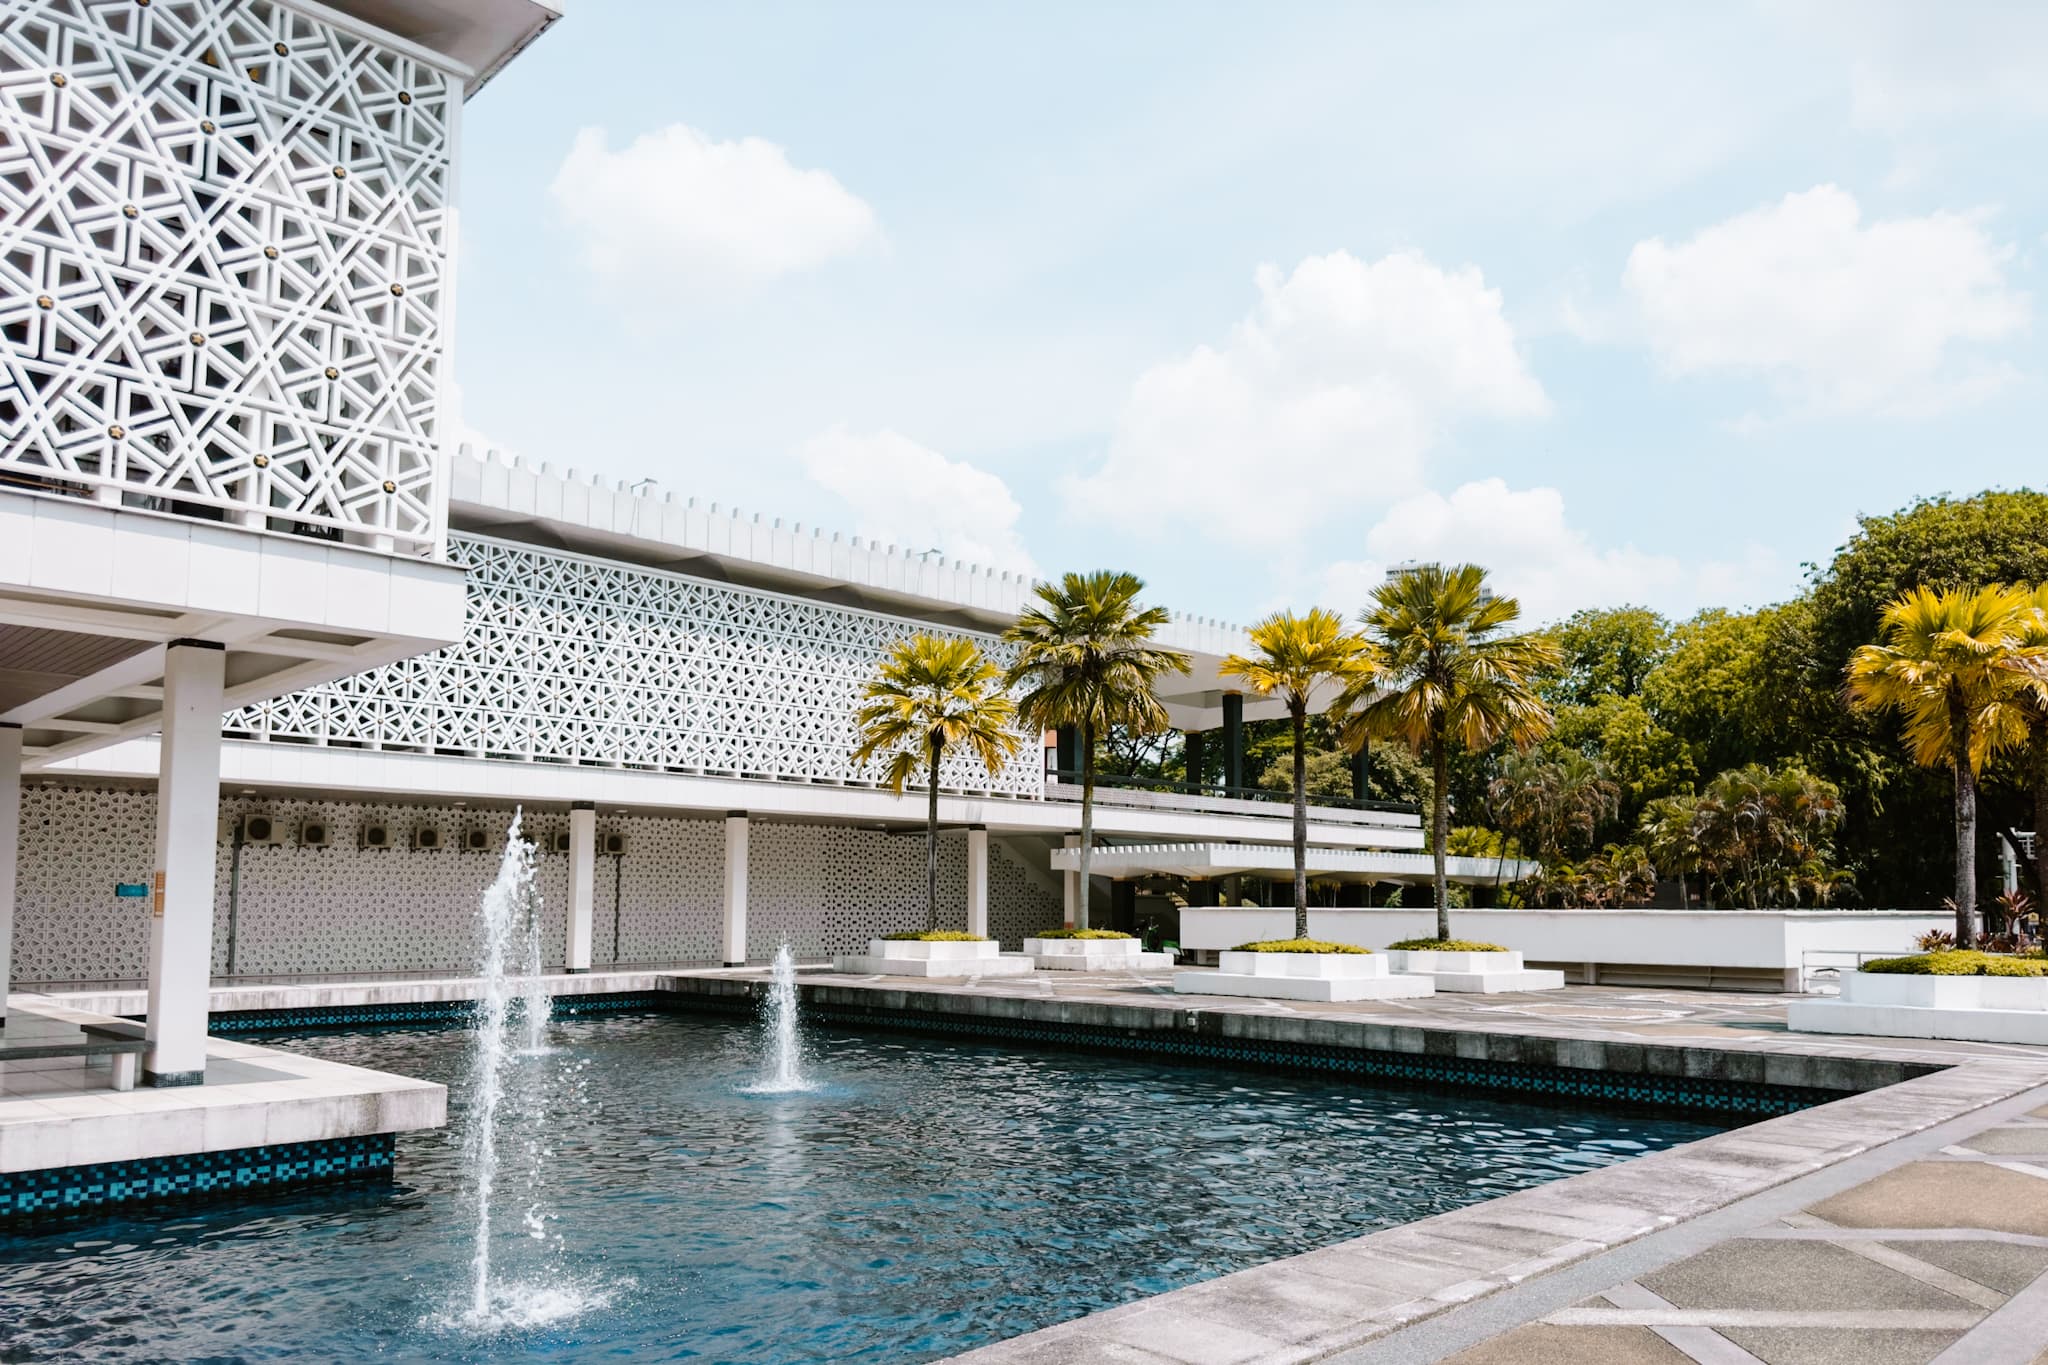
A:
{"points": [[1072, 777]]}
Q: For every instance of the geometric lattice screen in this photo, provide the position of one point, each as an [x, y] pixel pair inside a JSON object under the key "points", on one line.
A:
{"points": [[223, 248], [573, 660]]}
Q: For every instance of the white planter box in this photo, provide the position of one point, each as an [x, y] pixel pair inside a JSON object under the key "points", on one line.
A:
{"points": [[1982, 1009], [1303, 976], [1085, 954], [912, 957], [1487, 973]]}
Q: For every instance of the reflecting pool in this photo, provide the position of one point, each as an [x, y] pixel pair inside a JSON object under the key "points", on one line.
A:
{"points": [[925, 1197]]}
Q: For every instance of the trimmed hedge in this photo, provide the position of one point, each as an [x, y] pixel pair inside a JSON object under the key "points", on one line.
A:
{"points": [[935, 936], [1081, 933], [1298, 945], [1958, 962], [1444, 945]]}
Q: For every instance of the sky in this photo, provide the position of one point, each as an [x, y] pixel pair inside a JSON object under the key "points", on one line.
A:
{"points": [[1629, 304]]}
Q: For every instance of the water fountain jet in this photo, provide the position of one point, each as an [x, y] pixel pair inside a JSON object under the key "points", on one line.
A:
{"points": [[781, 1035]]}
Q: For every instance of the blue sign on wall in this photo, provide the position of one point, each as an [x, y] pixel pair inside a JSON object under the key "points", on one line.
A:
{"points": [[131, 890]]}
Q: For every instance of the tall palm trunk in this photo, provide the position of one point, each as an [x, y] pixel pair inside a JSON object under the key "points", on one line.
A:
{"points": [[1966, 821], [1440, 826], [931, 841], [1299, 711], [1087, 823]]}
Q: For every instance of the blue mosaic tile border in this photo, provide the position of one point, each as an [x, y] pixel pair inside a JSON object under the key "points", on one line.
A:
{"points": [[1742, 1100], [430, 1012], [81, 1189]]}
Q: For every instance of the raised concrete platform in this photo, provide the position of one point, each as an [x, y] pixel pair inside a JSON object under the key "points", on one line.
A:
{"points": [[238, 997], [910, 957], [1302, 976], [65, 1114], [1985, 1009], [1477, 973], [1092, 955]]}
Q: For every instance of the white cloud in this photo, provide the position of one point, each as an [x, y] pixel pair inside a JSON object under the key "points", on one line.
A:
{"points": [[676, 206], [905, 494], [1533, 553], [1328, 395], [1838, 315]]}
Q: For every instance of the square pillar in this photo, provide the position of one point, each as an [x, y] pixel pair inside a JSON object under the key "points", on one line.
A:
{"points": [[1233, 742], [1070, 884], [1067, 753], [10, 851], [1194, 755], [736, 888], [582, 883], [181, 908], [1361, 771], [977, 880]]}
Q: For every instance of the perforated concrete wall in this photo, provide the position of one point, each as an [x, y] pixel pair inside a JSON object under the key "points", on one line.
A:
{"points": [[344, 908]]}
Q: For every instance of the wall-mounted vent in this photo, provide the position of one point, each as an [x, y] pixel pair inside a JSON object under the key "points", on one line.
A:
{"points": [[476, 841], [427, 836], [613, 844], [376, 835], [559, 843], [315, 834], [259, 829]]}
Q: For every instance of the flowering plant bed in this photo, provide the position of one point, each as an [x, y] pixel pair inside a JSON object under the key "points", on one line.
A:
{"points": [[1298, 945], [1091, 950], [933, 936], [1091, 935], [1302, 969], [1444, 945], [1959, 962]]}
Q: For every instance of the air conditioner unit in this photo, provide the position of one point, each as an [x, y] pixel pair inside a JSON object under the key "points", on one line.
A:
{"points": [[427, 836], [376, 835], [476, 841], [259, 829], [613, 844], [315, 834], [559, 843]]}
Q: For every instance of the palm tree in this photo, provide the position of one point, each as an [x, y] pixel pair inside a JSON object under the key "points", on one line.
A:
{"points": [[928, 693], [1670, 831], [1084, 658], [1453, 676], [1940, 665], [1293, 656]]}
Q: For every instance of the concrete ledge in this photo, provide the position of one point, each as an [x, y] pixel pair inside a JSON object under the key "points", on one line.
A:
{"points": [[253, 1097], [1981, 1009], [1331, 988]]}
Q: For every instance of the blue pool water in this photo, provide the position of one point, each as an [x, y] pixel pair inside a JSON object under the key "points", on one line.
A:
{"points": [[932, 1196]]}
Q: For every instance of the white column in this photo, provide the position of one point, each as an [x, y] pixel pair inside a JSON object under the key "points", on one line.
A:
{"points": [[10, 851], [582, 883], [735, 888], [181, 905], [1070, 882], [977, 880]]}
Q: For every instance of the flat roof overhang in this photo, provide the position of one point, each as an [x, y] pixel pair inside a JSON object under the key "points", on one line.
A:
{"points": [[477, 36], [90, 596], [1201, 862]]}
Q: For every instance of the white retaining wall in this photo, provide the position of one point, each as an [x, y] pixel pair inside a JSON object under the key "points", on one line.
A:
{"points": [[343, 908]]}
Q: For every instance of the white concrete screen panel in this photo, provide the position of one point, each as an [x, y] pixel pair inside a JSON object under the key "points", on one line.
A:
{"points": [[244, 211]]}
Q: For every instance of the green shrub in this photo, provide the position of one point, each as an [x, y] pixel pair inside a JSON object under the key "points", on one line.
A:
{"points": [[1959, 962], [1082, 933], [935, 936], [1299, 945], [1444, 945]]}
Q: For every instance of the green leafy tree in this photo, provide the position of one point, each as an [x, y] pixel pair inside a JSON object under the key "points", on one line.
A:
{"points": [[1451, 675], [1606, 652], [2030, 662], [1764, 834], [1669, 833], [1293, 656], [1941, 667], [1085, 658], [929, 694]]}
